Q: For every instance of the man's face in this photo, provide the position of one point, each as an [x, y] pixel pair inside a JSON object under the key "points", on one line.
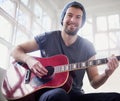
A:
{"points": [[72, 20]]}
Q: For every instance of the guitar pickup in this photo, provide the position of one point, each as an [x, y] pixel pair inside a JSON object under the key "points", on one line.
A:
{"points": [[27, 76]]}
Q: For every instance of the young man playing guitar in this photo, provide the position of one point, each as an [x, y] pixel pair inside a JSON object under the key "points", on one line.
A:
{"points": [[77, 49]]}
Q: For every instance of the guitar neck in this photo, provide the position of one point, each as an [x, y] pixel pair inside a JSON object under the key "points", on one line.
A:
{"points": [[81, 65]]}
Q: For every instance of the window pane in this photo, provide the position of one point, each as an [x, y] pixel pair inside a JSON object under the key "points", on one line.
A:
{"points": [[36, 29], [5, 33], [113, 21], [116, 52], [102, 54], [114, 40], [8, 6], [24, 19], [46, 22], [101, 23], [38, 12], [20, 37], [25, 2], [87, 31], [101, 41], [4, 55]]}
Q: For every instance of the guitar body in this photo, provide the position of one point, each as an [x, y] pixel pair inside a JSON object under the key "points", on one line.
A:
{"points": [[14, 87]]}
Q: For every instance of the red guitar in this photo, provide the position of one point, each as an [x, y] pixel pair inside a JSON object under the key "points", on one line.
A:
{"points": [[20, 84]]}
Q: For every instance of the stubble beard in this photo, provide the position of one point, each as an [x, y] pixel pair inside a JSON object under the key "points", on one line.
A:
{"points": [[70, 32]]}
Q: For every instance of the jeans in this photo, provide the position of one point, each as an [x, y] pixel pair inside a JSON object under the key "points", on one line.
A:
{"points": [[59, 94]]}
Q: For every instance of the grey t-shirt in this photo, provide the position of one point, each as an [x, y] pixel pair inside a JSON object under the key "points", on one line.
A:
{"points": [[51, 43]]}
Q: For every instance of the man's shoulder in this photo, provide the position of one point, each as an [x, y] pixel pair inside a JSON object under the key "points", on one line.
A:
{"points": [[85, 40], [53, 32]]}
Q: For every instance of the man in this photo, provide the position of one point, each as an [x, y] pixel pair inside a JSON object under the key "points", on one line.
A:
{"points": [[77, 49]]}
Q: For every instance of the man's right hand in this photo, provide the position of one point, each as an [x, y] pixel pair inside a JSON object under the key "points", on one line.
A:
{"points": [[36, 67]]}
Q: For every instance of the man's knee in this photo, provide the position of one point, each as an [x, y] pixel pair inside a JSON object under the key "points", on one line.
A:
{"points": [[57, 94]]}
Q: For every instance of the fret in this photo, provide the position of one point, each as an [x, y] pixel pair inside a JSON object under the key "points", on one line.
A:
{"points": [[78, 65], [90, 63], [66, 68], [70, 68], [83, 64], [74, 66], [71, 65], [62, 68], [98, 62], [57, 69], [104, 60]]}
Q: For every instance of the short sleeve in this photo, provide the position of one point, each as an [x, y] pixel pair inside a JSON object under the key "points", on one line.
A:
{"points": [[41, 40]]}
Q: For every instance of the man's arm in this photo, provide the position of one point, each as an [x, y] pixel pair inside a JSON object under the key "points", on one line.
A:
{"points": [[19, 53], [97, 79]]}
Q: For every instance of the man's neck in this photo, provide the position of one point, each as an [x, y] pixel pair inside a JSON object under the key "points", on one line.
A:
{"points": [[68, 39]]}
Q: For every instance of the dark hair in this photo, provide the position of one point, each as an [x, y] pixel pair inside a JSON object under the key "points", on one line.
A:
{"points": [[76, 5]]}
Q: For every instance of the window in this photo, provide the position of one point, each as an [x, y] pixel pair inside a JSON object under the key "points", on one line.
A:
{"points": [[114, 40], [4, 56], [5, 29], [101, 23], [25, 2], [36, 29], [106, 37], [46, 22], [20, 37], [101, 41], [8, 6], [113, 21], [38, 13], [24, 18], [87, 30]]}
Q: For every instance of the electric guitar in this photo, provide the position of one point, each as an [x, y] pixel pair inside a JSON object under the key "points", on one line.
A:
{"points": [[20, 84]]}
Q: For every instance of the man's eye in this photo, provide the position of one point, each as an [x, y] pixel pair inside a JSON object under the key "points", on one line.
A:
{"points": [[78, 17], [69, 15]]}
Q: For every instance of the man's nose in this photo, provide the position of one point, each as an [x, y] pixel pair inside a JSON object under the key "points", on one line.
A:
{"points": [[73, 19]]}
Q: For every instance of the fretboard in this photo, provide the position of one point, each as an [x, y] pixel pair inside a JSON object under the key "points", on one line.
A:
{"points": [[81, 65]]}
